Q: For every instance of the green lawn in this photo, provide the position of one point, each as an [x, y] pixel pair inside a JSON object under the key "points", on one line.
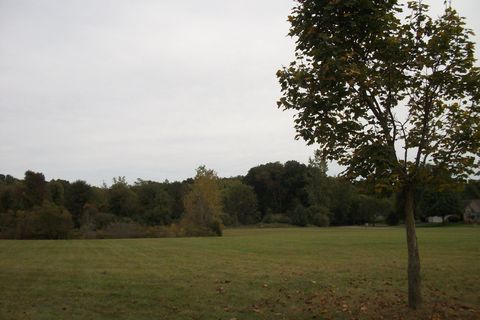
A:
{"points": [[292, 273]]}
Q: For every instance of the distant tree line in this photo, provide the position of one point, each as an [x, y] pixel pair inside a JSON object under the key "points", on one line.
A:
{"points": [[271, 193]]}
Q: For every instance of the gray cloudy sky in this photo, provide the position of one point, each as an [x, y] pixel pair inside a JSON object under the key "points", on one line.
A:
{"points": [[94, 89]]}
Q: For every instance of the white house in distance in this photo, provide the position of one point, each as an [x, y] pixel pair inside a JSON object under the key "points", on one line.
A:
{"points": [[471, 214], [435, 219]]}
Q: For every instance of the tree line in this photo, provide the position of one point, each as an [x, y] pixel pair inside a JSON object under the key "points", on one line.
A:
{"points": [[288, 193]]}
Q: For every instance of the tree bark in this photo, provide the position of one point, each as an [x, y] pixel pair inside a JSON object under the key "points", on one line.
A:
{"points": [[414, 280]]}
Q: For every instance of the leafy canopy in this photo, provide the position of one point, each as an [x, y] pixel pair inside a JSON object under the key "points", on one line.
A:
{"points": [[384, 88]]}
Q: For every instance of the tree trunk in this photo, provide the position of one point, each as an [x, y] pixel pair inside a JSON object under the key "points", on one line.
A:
{"points": [[414, 281]]}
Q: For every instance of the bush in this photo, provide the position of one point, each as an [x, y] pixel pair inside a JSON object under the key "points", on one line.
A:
{"points": [[321, 220], [267, 218], [7, 223], [228, 220], [53, 222], [320, 216], [103, 220], [453, 218], [159, 215], [200, 231], [24, 225], [88, 215], [47, 221], [393, 218], [93, 220], [217, 228], [118, 230], [278, 218], [300, 216], [161, 232]]}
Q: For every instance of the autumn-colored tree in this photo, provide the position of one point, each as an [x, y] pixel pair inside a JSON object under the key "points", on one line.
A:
{"points": [[47, 221], [386, 90], [203, 206]]}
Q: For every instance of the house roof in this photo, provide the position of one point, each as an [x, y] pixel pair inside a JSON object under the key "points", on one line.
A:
{"points": [[473, 204]]}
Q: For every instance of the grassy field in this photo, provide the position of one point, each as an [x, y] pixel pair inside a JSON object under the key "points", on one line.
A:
{"points": [[293, 273]]}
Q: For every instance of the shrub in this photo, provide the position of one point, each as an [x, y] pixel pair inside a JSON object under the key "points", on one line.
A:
{"points": [[197, 231], [268, 217], [393, 218], [24, 225], [217, 228], [320, 215], [279, 218], [7, 223], [161, 232], [300, 216], [119, 230], [103, 220], [159, 215], [52, 221], [47, 221], [228, 220], [321, 220], [88, 216], [453, 218]]}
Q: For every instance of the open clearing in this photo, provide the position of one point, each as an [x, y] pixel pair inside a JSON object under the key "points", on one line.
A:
{"points": [[291, 273]]}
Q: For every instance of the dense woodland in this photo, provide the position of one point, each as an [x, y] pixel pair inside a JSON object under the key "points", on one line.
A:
{"points": [[271, 193]]}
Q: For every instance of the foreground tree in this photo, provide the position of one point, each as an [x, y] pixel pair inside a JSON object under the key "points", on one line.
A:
{"points": [[386, 96]]}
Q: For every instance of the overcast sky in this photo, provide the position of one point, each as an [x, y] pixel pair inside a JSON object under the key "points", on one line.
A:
{"points": [[92, 89]]}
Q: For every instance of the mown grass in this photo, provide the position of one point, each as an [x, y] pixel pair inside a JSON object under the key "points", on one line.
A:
{"points": [[292, 273]]}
